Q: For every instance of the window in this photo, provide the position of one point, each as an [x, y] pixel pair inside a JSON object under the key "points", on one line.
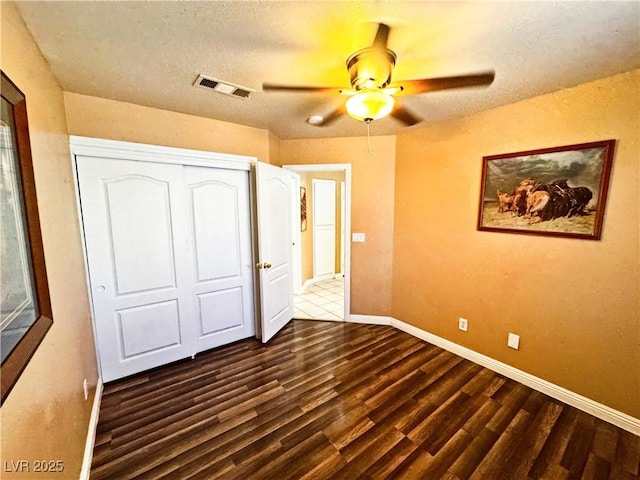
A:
{"points": [[25, 306]]}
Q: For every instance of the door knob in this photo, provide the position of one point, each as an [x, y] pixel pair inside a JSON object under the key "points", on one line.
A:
{"points": [[267, 265], [259, 265]]}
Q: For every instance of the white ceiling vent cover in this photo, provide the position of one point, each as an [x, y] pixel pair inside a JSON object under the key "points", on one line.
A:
{"points": [[225, 88]]}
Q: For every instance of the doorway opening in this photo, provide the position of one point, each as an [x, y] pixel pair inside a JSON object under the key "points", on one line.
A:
{"points": [[321, 252]]}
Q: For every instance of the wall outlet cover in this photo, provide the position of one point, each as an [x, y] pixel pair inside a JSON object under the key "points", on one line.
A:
{"points": [[463, 324], [513, 341]]}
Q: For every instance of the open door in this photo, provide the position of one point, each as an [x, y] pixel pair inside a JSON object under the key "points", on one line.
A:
{"points": [[273, 192]]}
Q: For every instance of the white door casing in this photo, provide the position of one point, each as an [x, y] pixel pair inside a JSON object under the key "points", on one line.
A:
{"points": [[273, 191], [324, 228], [296, 235], [346, 219], [343, 216]]}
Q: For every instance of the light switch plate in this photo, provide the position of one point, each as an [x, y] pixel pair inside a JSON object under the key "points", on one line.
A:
{"points": [[357, 237], [514, 341]]}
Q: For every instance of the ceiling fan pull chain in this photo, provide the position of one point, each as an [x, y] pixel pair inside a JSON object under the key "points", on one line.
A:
{"points": [[371, 152]]}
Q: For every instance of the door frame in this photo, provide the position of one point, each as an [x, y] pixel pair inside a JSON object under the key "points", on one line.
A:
{"points": [[296, 236], [346, 244], [116, 149]]}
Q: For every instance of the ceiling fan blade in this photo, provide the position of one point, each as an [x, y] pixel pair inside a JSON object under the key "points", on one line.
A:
{"points": [[411, 87], [271, 87], [328, 119], [400, 112], [382, 36]]}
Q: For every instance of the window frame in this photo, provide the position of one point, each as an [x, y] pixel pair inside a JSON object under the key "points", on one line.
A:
{"points": [[17, 360]]}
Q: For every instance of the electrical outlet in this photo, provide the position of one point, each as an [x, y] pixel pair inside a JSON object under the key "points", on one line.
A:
{"points": [[513, 341], [463, 324], [85, 386]]}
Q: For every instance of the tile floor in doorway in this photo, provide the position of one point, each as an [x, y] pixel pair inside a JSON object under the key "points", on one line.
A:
{"points": [[323, 300]]}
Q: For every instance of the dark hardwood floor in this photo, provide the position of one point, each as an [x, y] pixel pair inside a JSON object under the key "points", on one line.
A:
{"points": [[343, 401]]}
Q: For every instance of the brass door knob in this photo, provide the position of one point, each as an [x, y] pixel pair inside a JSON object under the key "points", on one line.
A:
{"points": [[267, 265]]}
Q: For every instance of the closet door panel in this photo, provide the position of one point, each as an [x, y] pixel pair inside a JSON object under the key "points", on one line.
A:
{"points": [[135, 324], [140, 233], [221, 310], [220, 222], [137, 252], [217, 235]]}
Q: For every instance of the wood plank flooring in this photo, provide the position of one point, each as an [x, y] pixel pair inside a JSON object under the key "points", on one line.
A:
{"points": [[328, 400]]}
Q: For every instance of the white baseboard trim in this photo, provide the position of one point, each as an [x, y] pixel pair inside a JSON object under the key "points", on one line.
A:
{"points": [[311, 281], [603, 412], [322, 278], [370, 319], [307, 284], [91, 433]]}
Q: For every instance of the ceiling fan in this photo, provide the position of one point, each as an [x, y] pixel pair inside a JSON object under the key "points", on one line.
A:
{"points": [[372, 94]]}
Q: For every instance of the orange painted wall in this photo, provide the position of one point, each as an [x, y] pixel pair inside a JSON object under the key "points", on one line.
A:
{"points": [[102, 118], [45, 417], [575, 303], [371, 210]]}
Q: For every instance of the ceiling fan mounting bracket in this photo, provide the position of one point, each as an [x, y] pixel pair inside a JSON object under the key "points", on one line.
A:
{"points": [[371, 68]]}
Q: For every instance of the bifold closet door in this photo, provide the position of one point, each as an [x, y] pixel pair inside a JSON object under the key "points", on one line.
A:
{"points": [[135, 232], [169, 256], [220, 234]]}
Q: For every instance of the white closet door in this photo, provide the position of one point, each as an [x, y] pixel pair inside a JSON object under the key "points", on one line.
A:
{"points": [[138, 256], [220, 233], [324, 228]]}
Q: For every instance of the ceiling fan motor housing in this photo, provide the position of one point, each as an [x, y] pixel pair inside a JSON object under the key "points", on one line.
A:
{"points": [[370, 68]]}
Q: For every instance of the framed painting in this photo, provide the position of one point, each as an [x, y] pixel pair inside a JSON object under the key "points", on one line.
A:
{"points": [[559, 191], [303, 209]]}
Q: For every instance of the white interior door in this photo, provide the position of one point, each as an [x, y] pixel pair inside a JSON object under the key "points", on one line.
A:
{"points": [[273, 191], [324, 228], [138, 257], [220, 235]]}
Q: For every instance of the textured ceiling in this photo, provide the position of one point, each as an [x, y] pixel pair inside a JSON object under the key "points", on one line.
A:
{"points": [[150, 53]]}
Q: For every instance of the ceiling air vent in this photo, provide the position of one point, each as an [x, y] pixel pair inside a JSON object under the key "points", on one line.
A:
{"points": [[225, 88]]}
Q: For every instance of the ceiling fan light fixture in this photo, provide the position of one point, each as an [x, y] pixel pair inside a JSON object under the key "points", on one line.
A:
{"points": [[370, 105]]}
